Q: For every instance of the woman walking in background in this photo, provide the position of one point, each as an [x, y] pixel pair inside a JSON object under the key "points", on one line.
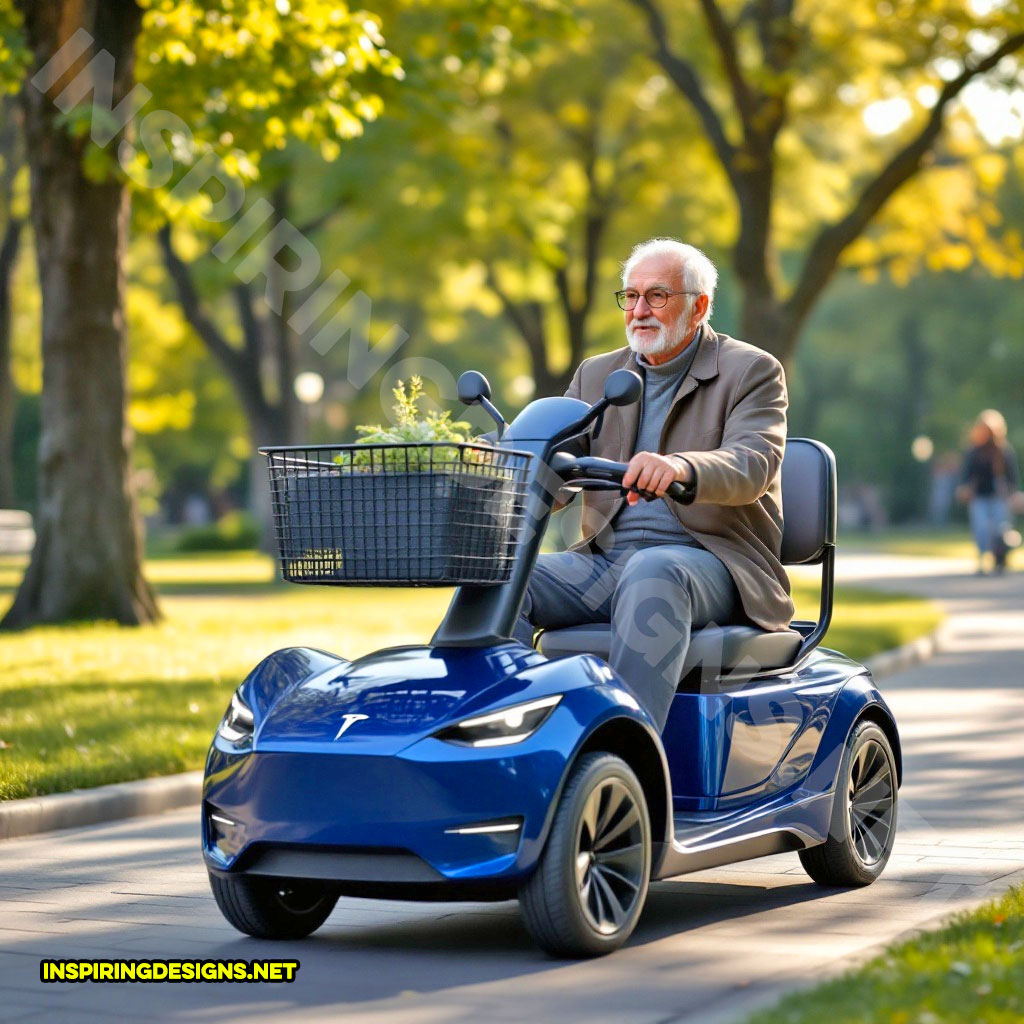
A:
{"points": [[990, 478]]}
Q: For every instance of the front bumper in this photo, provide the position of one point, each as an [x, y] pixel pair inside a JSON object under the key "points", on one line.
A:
{"points": [[433, 813]]}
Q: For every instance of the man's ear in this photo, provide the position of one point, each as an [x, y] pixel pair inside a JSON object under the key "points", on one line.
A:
{"points": [[700, 307]]}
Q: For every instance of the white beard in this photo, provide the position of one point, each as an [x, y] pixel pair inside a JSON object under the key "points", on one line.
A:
{"points": [[664, 341]]}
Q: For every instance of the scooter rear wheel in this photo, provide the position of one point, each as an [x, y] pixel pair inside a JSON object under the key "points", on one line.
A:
{"points": [[863, 827], [589, 888], [272, 908]]}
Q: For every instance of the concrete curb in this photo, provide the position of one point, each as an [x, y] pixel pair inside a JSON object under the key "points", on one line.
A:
{"points": [[153, 796], [899, 659], [104, 803]]}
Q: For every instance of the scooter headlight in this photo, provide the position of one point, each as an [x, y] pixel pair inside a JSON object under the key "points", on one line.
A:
{"points": [[237, 725], [499, 728]]}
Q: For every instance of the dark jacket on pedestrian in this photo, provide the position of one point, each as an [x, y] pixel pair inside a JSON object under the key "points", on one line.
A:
{"points": [[991, 470]]}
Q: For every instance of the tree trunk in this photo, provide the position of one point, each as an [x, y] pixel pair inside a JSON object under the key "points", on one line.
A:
{"points": [[272, 418], [270, 428], [765, 322], [283, 342], [8, 255], [87, 560], [12, 156], [527, 316]]}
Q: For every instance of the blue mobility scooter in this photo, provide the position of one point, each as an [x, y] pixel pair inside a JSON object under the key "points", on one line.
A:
{"points": [[476, 767]]}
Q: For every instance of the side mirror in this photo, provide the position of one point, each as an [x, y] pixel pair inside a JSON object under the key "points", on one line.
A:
{"points": [[623, 387], [473, 388]]}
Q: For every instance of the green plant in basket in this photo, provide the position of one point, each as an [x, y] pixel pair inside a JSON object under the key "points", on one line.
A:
{"points": [[421, 436]]}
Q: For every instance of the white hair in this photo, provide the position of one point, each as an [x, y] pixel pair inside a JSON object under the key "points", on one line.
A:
{"points": [[698, 272]]}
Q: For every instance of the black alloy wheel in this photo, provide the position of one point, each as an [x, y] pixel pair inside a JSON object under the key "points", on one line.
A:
{"points": [[871, 799], [589, 888], [609, 856], [864, 811]]}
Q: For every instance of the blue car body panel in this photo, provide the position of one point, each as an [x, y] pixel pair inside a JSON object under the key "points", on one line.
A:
{"points": [[750, 770], [729, 747], [387, 782]]}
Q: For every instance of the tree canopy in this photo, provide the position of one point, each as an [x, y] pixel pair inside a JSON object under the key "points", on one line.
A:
{"points": [[858, 97]]}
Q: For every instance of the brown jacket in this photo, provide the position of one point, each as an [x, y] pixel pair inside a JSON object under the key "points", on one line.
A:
{"points": [[728, 419]]}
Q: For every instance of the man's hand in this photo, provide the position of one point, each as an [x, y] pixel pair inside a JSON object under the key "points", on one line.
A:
{"points": [[654, 474]]}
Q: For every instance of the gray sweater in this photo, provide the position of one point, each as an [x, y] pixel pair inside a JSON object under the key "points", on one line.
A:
{"points": [[655, 522]]}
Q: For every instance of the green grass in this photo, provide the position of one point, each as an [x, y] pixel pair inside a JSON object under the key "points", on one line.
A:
{"points": [[970, 970], [949, 542], [865, 622], [91, 704]]}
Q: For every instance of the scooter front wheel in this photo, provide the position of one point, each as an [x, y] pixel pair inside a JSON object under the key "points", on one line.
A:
{"points": [[272, 908], [588, 890]]}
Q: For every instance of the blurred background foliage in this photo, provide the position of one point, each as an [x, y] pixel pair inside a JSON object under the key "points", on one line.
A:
{"points": [[479, 171]]}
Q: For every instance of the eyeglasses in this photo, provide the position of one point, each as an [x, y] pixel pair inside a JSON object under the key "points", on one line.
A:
{"points": [[627, 298]]}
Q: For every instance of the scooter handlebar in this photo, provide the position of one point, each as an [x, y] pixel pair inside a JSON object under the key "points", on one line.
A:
{"points": [[589, 467]]}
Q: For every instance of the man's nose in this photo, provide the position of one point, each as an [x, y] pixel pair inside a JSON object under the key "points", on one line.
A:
{"points": [[641, 309]]}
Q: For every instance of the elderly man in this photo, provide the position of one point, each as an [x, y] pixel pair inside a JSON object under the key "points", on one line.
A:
{"points": [[713, 415]]}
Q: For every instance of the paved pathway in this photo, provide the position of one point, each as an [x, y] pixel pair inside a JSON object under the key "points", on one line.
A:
{"points": [[709, 947]]}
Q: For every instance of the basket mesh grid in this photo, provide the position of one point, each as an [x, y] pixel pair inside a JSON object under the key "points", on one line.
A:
{"points": [[427, 514]]}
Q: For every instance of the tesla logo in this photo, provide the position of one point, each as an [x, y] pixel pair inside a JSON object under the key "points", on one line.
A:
{"points": [[347, 722]]}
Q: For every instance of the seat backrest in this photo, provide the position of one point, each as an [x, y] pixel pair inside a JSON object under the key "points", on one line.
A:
{"points": [[808, 501]]}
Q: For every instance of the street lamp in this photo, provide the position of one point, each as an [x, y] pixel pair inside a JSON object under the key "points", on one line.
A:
{"points": [[922, 448], [309, 389], [522, 387]]}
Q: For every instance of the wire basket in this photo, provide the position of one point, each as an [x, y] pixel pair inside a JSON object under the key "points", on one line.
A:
{"points": [[427, 514]]}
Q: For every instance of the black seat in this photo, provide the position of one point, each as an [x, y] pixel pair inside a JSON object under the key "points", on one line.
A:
{"points": [[808, 538]]}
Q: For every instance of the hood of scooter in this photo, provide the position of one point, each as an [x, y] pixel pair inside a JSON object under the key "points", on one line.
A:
{"points": [[391, 697], [350, 755]]}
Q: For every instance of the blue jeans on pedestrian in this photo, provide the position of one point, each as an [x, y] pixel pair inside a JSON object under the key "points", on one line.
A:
{"points": [[989, 515], [652, 596]]}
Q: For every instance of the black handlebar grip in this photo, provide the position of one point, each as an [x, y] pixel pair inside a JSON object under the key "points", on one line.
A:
{"points": [[683, 493], [592, 468]]}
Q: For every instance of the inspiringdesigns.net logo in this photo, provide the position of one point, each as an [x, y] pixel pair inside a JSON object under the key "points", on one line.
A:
{"points": [[174, 971]]}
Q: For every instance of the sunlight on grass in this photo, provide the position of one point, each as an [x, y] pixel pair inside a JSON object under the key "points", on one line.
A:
{"points": [[970, 970], [924, 543], [85, 705], [222, 567], [11, 568], [865, 622]]}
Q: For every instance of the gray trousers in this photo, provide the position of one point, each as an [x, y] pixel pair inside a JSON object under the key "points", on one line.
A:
{"points": [[652, 596]]}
